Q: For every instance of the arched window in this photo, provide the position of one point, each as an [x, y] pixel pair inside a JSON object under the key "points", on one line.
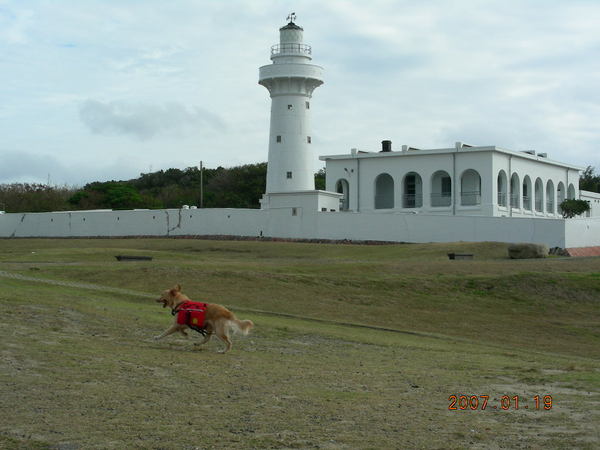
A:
{"points": [[550, 197], [571, 192], [384, 191], [560, 196], [412, 191], [342, 187], [470, 188], [527, 192], [539, 195], [515, 191], [502, 187], [441, 189]]}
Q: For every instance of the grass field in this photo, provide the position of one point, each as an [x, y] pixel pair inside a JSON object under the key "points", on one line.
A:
{"points": [[355, 346]]}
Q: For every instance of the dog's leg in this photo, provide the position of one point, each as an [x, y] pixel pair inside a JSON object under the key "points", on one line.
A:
{"points": [[171, 330], [182, 331], [207, 337], [221, 332], [227, 341], [208, 332]]}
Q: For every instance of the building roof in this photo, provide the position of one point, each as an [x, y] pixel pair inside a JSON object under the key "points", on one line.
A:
{"points": [[408, 152], [291, 26]]}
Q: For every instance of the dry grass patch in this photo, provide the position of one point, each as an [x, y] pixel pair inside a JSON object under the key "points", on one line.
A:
{"points": [[79, 370]]}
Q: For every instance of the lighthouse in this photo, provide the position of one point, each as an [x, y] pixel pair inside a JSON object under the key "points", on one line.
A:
{"points": [[291, 80]]}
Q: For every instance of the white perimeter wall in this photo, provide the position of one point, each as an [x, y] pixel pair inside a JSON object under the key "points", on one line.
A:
{"points": [[582, 232], [418, 228], [379, 226], [166, 222]]}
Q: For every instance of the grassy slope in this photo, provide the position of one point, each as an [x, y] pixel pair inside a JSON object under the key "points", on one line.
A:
{"points": [[87, 372]]}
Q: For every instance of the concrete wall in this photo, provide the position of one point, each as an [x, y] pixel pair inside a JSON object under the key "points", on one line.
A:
{"points": [[167, 222], [381, 226], [582, 232], [401, 227]]}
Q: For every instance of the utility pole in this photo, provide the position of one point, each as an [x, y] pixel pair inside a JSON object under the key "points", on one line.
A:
{"points": [[201, 186]]}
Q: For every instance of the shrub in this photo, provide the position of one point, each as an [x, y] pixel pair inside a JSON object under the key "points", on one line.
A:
{"points": [[571, 208]]}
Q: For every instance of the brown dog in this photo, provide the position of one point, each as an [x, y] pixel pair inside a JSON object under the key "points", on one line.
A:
{"points": [[217, 319]]}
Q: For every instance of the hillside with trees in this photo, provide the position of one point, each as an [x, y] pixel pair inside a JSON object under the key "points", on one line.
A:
{"points": [[235, 187]]}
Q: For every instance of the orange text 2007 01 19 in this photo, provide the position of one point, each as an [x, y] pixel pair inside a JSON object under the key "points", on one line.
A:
{"points": [[458, 402]]}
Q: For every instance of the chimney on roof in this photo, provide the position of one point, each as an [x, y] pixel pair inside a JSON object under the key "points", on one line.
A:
{"points": [[386, 146]]}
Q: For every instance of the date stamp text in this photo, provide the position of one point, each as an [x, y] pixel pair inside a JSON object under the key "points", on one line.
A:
{"points": [[459, 402]]}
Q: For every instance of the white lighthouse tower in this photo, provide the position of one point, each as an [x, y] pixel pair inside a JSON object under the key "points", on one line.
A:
{"points": [[291, 80]]}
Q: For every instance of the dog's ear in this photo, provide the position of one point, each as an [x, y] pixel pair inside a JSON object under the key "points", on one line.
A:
{"points": [[177, 287]]}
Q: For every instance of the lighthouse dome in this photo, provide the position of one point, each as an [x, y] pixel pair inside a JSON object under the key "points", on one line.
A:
{"points": [[291, 34]]}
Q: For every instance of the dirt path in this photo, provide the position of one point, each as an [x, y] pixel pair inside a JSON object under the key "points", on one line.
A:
{"points": [[94, 287], [130, 292]]}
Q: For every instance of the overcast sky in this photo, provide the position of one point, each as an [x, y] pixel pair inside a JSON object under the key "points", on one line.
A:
{"points": [[97, 90]]}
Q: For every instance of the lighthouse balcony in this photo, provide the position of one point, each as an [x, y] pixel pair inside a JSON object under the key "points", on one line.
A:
{"points": [[304, 71], [291, 49]]}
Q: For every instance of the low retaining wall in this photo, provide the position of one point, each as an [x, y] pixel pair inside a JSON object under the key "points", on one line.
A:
{"points": [[165, 222], [582, 232], [296, 223], [401, 227]]}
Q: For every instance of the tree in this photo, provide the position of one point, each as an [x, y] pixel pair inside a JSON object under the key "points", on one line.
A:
{"points": [[25, 197], [320, 180], [235, 187], [588, 181], [238, 187], [110, 194], [572, 207]]}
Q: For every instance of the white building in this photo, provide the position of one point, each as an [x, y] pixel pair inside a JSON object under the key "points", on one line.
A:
{"points": [[461, 180]]}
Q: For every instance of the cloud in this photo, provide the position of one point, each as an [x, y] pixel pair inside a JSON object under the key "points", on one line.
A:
{"points": [[121, 79], [14, 25], [145, 120], [29, 167]]}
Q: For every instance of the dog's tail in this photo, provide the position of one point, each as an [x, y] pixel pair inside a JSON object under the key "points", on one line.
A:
{"points": [[243, 326]]}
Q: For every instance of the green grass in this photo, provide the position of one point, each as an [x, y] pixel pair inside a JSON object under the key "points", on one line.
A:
{"points": [[354, 346]]}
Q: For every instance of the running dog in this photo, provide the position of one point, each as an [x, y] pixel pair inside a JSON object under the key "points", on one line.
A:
{"points": [[207, 318]]}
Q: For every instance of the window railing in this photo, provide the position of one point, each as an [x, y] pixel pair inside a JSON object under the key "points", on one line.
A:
{"points": [[471, 198], [539, 205], [550, 206], [441, 199], [412, 201], [514, 200], [526, 202], [290, 48], [501, 198]]}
